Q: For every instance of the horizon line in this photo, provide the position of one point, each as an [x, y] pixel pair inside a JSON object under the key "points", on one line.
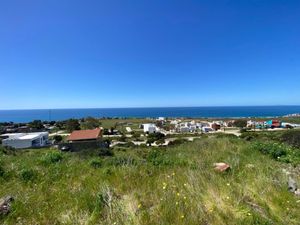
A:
{"points": [[148, 107]]}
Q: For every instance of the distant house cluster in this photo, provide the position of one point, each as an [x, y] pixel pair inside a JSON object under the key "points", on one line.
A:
{"points": [[270, 124], [184, 126]]}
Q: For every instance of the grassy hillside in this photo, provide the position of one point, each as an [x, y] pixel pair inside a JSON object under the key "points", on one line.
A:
{"points": [[174, 185]]}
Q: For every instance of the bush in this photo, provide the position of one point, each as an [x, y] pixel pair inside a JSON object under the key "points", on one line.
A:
{"points": [[248, 136], [28, 175], [52, 157], [158, 158], [96, 163], [224, 135], [177, 142], [292, 138], [122, 161], [2, 171], [241, 123], [57, 138], [105, 152], [279, 152], [123, 138]]}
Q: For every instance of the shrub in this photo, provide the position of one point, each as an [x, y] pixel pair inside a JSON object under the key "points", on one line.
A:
{"points": [[52, 157], [96, 163], [105, 152], [158, 158], [178, 141], [224, 135], [241, 123], [2, 171], [292, 138], [28, 175], [122, 161], [280, 152], [248, 136], [123, 138], [57, 138]]}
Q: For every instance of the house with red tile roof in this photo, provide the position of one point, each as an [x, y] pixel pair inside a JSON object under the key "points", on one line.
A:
{"points": [[85, 135]]}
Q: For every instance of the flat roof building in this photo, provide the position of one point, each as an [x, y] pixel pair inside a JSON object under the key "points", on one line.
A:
{"points": [[25, 140]]}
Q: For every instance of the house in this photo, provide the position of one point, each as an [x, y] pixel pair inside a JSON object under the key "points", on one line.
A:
{"points": [[255, 124], [175, 122], [215, 126], [25, 140], [85, 135], [273, 124], [150, 128], [206, 129], [186, 127]]}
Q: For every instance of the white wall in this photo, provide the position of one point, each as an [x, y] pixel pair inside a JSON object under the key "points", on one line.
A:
{"points": [[25, 143]]}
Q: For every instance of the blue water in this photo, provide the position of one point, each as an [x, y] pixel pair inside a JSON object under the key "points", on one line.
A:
{"points": [[192, 112]]}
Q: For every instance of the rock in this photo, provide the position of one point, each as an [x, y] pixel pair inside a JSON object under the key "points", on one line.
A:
{"points": [[5, 205], [297, 192], [221, 167], [292, 185]]}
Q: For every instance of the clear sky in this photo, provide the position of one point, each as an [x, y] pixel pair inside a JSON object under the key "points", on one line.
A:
{"points": [[94, 53]]}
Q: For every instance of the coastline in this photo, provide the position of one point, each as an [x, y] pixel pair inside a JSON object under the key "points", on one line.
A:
{"points": [[205, 112]]}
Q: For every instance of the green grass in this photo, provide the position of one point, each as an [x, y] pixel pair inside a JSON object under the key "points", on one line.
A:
{"points": [[175, 185]]}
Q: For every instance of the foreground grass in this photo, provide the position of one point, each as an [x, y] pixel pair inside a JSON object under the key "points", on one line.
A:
{"points": [[176, 185]]}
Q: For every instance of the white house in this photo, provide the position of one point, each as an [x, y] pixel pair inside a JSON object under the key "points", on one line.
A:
{"points": [[186, 127], [25, 140], [206, 129], [150, 128]]}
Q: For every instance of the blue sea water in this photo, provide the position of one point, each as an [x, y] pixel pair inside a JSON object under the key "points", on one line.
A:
{"points": [[192, 112]]}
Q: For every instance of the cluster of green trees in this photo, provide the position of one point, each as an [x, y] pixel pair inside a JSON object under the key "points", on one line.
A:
{"points": [[156, 137]]}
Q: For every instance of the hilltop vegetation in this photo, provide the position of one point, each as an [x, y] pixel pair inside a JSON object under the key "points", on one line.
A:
{"points": [[171, 185]]}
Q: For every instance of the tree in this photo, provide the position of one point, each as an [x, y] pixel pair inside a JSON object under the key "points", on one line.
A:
{"points": [[155, 137], [57, 138], [72, 124], [240, 123], [90, 123], [61, 125], [36, 124]]}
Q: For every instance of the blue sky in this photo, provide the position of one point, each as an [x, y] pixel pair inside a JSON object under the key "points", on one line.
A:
{"points": [[93, 53]]}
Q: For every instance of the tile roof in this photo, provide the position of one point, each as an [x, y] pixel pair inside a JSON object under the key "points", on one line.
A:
{"points": [[84, 134]]}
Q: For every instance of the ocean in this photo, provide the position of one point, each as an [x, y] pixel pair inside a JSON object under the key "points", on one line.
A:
{"points": [[192, 112]]}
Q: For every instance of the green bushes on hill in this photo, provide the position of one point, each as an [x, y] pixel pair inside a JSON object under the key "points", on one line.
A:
{"points": [[28, 175], [292, 138], [52, 157], [96, 163], [143, 186], [280, 152], [2, 171]]}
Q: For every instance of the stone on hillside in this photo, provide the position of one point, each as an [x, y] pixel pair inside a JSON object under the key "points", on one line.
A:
{"points": [[5, 205], [221, 167], [292, 185]]}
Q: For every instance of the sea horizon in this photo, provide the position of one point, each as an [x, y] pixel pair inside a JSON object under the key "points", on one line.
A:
{"points": [[27, 115]]}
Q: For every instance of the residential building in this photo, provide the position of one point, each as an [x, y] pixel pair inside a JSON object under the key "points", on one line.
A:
{"points": [[85, 135], [150, 128], [25, 140]]}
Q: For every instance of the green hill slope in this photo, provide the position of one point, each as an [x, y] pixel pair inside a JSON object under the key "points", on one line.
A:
{"points": [[174, 185]]}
